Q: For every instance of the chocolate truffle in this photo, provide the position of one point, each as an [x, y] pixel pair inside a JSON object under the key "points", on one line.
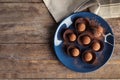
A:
{"points": [[81, 27], [82, 20], [100, 29], [98, 32], [88, 56], [72, 37], [69, 35], [75, 52], [86, 40], [96, 46]]}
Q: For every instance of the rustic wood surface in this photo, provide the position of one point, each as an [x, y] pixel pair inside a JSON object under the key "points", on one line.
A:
{"points": [[20, 1], [26, 44]]}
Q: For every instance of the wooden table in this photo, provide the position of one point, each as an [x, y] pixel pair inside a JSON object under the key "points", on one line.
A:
{"points": [[26, 44]]}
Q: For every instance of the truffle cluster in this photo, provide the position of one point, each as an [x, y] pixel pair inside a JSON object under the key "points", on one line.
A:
{"points": [[86, 33]]}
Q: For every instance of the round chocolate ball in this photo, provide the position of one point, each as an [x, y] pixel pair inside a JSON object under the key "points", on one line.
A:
{"points": [[75, 52], [72, 37], [98, 32], [100, 29], [86, 40], [69, 36], [96, 46], [81, 27], [88, 56]]}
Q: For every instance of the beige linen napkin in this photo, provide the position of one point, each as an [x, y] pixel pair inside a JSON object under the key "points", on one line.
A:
{"points": [[63, 8]]}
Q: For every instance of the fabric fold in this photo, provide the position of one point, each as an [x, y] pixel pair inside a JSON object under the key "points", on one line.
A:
{"points": [[63, 8]]}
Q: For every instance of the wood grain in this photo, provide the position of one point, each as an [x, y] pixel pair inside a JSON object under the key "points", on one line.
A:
{"points": [[31, 23], [40, 61], [25, 23], [21, 13], [20, 1], [26, 44], [39, 52], [51, 69]]}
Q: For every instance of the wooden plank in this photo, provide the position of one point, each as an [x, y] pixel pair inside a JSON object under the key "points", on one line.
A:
{"points": [[57, 79], [39, 61], [37, 52], [19, 1], [27, 51], [52, 69], [115, 25], [27, 33], [20, 13], [25, 23], [32, 23]]}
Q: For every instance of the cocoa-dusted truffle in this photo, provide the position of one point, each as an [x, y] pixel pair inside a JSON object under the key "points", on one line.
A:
{"points": [[80, 24], [82, 20], [96, 46], [89, 56], [75, 52], [99, 32], [81, 27], [72, 37], [86, 40], [100, 29], [69, 35]]}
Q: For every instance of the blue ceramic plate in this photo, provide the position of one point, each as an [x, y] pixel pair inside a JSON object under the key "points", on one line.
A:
{"points": [[76, 64]]}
